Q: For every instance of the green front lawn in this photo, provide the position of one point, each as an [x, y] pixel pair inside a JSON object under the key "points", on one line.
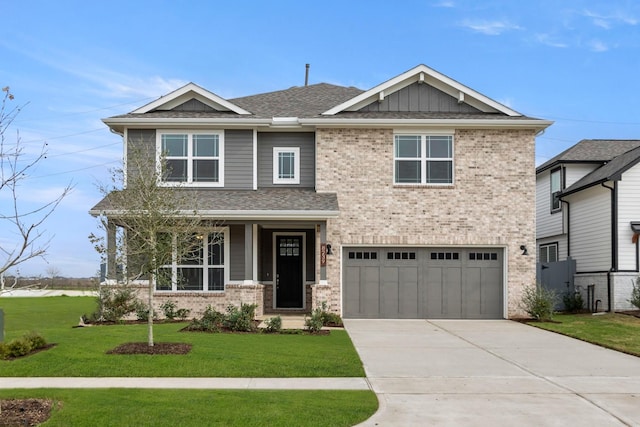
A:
{"points": [[82, 351], [139, 407], [616, 331]]}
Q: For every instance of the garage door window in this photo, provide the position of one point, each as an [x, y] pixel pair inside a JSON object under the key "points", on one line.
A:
{"points": [[483, 256], [445, 255]]}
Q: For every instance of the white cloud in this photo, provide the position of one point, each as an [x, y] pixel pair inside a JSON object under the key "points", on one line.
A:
{"points": [[445, 3], [490, 28], [598, 46], [549, 40], [606, 21]]}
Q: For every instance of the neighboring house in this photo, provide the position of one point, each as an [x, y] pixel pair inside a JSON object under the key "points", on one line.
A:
{"points": [[414, 199], [588, 208]]}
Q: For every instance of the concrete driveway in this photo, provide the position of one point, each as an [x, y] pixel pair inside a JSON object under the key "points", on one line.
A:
{"points": [[492, 373]]}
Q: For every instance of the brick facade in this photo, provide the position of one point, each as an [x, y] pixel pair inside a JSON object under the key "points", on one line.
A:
{"points": [[492, 200]]}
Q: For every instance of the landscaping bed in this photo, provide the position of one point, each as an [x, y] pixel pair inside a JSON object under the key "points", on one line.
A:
{"points": [[24, 412]]}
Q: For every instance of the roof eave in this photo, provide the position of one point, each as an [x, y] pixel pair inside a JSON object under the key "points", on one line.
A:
{"points": [[456, 123], [240, 214], [119, 124]]}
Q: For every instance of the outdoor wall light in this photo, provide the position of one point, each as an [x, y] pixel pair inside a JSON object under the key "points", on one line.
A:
{"points": [[329, 252], [523, 248]]}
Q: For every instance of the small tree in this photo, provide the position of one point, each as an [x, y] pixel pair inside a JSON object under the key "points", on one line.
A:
{"points": [[27, 240], [156, 229], [635, 293], [538, 302]]}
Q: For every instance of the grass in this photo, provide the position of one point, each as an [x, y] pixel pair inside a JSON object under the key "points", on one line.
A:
{"points": [[140, 407], [82, 351], [616, 331]]}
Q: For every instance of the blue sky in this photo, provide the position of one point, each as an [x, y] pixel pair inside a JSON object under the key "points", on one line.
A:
{"points": [[75, 62]]}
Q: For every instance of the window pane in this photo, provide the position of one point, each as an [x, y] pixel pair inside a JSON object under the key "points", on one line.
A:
{"points": [[163, 279], [174, 145], [205, 170], [286, 168], [439, 146], [556, 182], [176, 170], [190, 279], [216, 249], [407, 146], [439, 172], [216, 279], [190, 250], [407, 171], [205, 145]]}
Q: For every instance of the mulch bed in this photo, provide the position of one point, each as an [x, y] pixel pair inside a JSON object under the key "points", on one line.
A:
{"points": [[158, 348], [24, 412]]}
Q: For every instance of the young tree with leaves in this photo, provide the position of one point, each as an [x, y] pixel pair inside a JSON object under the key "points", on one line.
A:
{"points": [[157, 224]]}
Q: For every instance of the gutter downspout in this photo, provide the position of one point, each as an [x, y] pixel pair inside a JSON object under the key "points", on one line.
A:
{"points": [[614, 238], [568, 226]]}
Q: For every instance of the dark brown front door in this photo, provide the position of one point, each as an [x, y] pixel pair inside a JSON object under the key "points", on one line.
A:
{"points": [[289, 280]]}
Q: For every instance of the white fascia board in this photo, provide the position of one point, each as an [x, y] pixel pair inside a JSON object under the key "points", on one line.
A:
{"points": [[193, 123], [436, 123], [237, 214], [429, 76], [178, 96]]}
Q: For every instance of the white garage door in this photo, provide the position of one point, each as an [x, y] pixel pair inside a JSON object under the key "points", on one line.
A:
{"points": [[423, 283]]}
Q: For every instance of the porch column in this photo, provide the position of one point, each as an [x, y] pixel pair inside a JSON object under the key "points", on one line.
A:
{"points": [[248, 253], [111, 252], [323, 239]]}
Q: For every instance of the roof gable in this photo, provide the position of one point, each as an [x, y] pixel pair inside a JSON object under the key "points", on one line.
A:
{"points": [[423, 75], [186, 94], [591, 151]]}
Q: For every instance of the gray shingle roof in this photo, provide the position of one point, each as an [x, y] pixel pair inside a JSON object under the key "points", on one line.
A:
{"points": [[298, 101], [264, 201], [591, 151], [610, 171]]}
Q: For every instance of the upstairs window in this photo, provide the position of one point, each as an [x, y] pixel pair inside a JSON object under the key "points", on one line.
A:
{"points": [[286, 165], [423, 159], [557, 184], [192, 158], [548, 253]]}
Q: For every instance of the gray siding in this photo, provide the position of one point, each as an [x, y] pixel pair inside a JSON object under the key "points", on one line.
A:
{"points": [[238, 162], [268, 140], [141, 148], [236, 254], [420, 98], [193, 105]]}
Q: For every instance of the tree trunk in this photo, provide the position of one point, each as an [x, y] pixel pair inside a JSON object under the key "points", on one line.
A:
{"points": [[152, 286]]}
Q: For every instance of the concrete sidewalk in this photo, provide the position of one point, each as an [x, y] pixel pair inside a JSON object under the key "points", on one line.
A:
{"points": [[186, 383], [498, 373]]}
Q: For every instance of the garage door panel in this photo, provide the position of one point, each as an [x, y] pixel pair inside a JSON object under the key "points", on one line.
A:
{"points": [[423, 283]]}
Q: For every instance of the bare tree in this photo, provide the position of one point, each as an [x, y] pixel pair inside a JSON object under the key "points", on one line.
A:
{"points": [[15, 167], [53, 272], [157, 225]]}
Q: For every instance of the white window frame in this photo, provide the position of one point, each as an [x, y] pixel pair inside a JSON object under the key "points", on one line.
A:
{"points": [[424, 159], [553, 194], [296, 165], [191, 158], [544, 248], [205, 266]]}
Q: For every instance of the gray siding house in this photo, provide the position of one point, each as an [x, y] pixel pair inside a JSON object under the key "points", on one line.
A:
{"points": [[381, 203], [588, 208]]}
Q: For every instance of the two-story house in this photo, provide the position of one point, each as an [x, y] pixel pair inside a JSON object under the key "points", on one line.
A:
{"points": [[413, 199], [588, 208]]}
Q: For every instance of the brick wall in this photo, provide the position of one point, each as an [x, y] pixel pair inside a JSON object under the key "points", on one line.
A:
{"points": [[492, 201]]}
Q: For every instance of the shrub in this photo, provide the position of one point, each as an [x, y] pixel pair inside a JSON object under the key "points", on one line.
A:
{"points": [[114, 304], [37, 340], [142, 311], [182, 313], [211, 321], [273, 324], [4, 351], [313, 324], [19, 347], [169, 309], [329, 318], [635, 293], [538, 302], [572, 302], [241, 319]]}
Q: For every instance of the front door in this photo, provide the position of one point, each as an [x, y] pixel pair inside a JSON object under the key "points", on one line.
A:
{"points": [[289, 271]]}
